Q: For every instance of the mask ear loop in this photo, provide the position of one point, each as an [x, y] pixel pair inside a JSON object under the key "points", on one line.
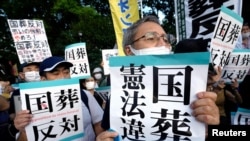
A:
{"points": [[170, 48], [134, 51]]}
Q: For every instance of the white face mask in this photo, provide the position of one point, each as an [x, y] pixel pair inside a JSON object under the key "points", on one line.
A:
{"points": [[90, 85], [32, 76], [98, 76], [246, 35], [161, 50]]}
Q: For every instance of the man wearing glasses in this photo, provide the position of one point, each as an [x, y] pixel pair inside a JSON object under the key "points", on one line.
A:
{"points": [[145, 37], [160, 41]]}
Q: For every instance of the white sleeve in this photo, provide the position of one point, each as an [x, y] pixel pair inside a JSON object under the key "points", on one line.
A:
{"points": [[95, 109]]}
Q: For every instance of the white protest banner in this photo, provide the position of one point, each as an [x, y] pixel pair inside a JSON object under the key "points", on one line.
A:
{"points": [[237, 66], [196, 19], [77, 54], [56, 109], [225, 36], [30, 40], [106, 54], [151, 96]]}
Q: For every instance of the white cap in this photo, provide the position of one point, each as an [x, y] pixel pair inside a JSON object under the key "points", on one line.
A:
{"points": [[98, 69]]}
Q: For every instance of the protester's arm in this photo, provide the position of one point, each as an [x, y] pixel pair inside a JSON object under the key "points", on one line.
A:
{"points": [[22, 119], [106, 136], [205, 109], [97, 127], [22, 136], [96, 113]]}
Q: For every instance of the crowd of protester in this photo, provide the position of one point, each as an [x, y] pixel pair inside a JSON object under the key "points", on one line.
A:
{"points": [[12, 122]]}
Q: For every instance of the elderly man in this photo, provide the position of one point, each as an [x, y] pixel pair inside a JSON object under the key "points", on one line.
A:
{"points": [[147, 37]]}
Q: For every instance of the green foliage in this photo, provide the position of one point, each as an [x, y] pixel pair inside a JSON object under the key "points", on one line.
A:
{"points": [[101, 6], [97, 31], [65, 19], [167, 8]]}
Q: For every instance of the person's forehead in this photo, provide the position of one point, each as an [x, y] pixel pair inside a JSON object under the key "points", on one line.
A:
{"points": [[245, 27], [149, 27], [59, 68], [31, 66], [88, 79]]}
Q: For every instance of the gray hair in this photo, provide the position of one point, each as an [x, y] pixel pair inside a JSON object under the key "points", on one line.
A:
{"points": [[130, 32]]}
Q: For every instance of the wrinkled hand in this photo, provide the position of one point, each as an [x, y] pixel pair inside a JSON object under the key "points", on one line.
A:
{"points": [[22, 119], [106, 136], [205, 109]]}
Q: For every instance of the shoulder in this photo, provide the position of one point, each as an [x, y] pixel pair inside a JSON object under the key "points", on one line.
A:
{"points": [[88, 94], [94, 108], [90, 98]]}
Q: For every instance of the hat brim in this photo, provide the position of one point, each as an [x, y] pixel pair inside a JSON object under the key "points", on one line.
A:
{"points": [[97, 70], [20, 69], [58, 63]]}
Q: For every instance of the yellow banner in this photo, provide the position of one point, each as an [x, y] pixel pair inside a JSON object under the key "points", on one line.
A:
{"points": [[124, 13]]}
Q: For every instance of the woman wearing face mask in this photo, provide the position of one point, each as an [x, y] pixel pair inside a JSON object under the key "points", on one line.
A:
{"points": [[89, 85]]}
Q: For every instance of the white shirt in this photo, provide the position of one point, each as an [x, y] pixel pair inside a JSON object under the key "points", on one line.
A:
{"points": [[89, 120]]}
